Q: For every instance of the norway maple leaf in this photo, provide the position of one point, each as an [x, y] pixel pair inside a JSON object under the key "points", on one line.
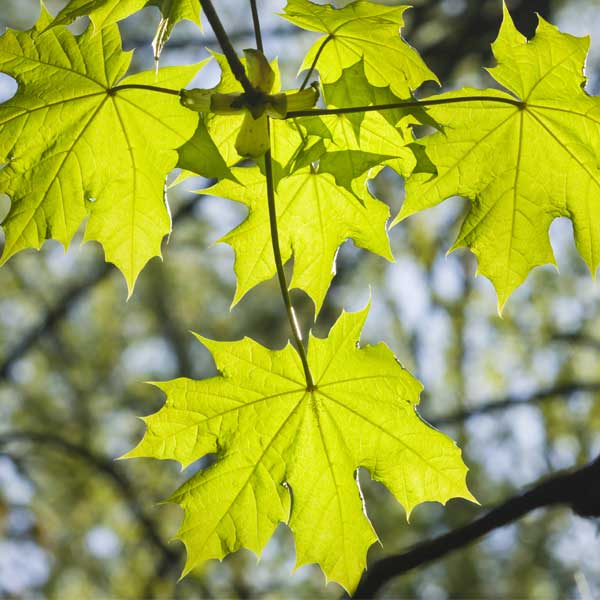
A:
{"points": [[522, 164], [274, 439], [315, 216], [76, 147], [106, 12], [361, 30]]}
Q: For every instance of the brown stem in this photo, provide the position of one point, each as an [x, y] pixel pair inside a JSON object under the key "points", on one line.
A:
{"points": [[230, 54], [316, 112]]}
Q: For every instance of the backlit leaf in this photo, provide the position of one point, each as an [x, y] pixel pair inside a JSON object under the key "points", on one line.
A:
{"points": [[524, 165], [361, 30], [76, 149], [275, 439], [315, 216]]}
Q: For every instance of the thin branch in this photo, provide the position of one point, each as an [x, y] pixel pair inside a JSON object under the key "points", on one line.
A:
{"points": [[556, 391], [230, 54], [285, 294], [109, 469], [52, 317], [134, 41], [256, 25], [579, 339], [316, 112], [577, 489], [59, 310]]}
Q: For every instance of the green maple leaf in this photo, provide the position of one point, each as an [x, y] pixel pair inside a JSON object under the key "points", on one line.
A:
{"points": [[354, 89], [522, 166], [356, 143], [361, 30], [75, 149], [106, 12], [173, 11], [315, 216], [350, 154], [272, 435], [100, 12]]}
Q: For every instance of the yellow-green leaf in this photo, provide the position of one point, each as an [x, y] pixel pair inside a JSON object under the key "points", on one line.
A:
{"points": [[361, 30], [106, 12], [75, 149], [275, 438], [522, 165], [315, 216]]}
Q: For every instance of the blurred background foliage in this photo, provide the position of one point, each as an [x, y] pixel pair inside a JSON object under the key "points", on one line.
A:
{"points": [[73, 353]]}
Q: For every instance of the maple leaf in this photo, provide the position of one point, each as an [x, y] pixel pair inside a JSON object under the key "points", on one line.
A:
{"points": [[107, 12], [274, 438], [357, 143], [74, 148], [315, 216], [524, 165], [353, 89], [361, 30], [351, 152]]}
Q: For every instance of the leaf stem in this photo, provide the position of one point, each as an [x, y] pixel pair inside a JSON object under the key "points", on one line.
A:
{"points": [[140, 86], [315, 112], [283, 285], [314, 62], [310, 384], [230, 54]]}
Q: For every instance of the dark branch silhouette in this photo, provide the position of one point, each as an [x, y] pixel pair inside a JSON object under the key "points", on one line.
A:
{"points": [[577, 489], [560, 390], [110, 470], [66, 301]]}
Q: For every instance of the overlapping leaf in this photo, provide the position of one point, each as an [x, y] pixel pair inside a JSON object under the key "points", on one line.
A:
{"points": [[76, 149], [211, 150], [106, 12], [272, 435], [315, 216], [361, 30], [522, 165]]}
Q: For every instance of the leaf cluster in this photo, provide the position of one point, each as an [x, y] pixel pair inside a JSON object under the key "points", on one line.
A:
{"points": [[81, 140]]}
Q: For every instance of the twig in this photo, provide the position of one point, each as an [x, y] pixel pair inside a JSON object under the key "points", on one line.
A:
{"points": [[556, 391], [256, 25], [230, 54], [141, 86], [580, 339], [578, 489], [316, 112], [316, 59]]}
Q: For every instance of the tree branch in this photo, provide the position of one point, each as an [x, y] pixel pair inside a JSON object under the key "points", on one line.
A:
{"points": [[256, 25], [230, 54], [110, 470], [563, 389], [577, 489], [65, 302]]}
